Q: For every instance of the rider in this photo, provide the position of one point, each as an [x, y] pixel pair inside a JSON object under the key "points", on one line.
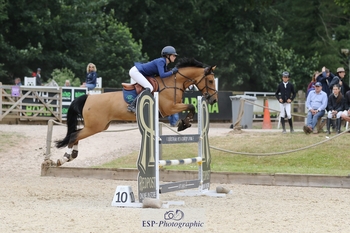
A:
{"points": [[150, 69]]}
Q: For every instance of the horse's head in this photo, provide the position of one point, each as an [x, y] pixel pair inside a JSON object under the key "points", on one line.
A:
{"points": [[201, 76], [206, 85]]}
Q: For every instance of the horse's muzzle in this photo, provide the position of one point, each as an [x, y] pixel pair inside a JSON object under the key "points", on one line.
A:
{"points": [[210, 98]]}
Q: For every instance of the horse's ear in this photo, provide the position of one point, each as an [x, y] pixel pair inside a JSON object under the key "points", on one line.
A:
{"points": [[213, 67]]}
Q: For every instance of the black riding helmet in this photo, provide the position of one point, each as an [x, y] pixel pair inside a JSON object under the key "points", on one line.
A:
{"points": [[168, 50], [285, 74]]}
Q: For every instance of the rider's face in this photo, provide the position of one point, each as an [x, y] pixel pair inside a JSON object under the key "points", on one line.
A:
{"points": [[172, 57]]}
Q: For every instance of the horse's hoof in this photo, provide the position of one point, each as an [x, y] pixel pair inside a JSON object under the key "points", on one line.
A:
{"points": [[60, 162]]}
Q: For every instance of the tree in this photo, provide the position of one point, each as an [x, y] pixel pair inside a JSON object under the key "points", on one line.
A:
{"points": [[54, 34]]}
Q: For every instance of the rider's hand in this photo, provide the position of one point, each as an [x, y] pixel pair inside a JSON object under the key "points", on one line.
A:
{"points": [[174, 70]]}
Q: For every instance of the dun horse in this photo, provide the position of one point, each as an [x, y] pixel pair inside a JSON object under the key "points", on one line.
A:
{"points": [[98, 111]]}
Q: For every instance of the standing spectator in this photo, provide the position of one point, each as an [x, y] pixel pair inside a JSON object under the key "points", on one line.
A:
{"points": [[339, 80], [325, 79], [67, 83], [285, 94], [38, 77], [316, 103], [335, 107], [173, 119], [311, 85], [91, 77], [18, 81]]}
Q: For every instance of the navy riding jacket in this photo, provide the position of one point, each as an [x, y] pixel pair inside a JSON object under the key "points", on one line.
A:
{"points": [[154, 68]]}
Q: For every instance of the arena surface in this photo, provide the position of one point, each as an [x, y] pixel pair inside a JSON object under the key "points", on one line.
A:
{"points": [[31, 203]]}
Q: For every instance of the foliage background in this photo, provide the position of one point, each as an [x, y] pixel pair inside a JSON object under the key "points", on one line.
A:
{"points": [[251, 42]]}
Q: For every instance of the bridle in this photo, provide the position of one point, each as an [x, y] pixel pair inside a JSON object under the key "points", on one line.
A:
{"points": [[204, 78], [191, 81]]}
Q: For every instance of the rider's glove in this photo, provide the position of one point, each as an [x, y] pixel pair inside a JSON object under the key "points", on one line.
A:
{"points": [[174, 70]]}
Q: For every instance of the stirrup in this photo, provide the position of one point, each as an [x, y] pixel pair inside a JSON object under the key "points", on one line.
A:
{"points": [[131, 108]]}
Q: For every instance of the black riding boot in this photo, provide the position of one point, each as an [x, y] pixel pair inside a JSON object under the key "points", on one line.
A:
{"points": [[132, 105], [338, 125], [329, 125], [283, 125], [291, 125]]}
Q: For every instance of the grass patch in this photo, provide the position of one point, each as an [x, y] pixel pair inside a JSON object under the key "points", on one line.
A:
{"points": [[330, 157], [8, 140]]}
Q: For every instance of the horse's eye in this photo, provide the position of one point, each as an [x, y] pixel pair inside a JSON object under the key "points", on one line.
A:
{"points": [[211, 81]]}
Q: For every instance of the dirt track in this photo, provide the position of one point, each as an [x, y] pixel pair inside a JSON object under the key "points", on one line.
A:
{"points": [[31, 203]]}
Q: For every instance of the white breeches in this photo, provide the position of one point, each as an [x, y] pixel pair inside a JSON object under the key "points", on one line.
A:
{"points": [[329, 115], [285, 108], [139, 78]]}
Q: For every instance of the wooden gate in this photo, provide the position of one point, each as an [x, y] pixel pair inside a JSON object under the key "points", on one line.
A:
{"points": [[30, 103]]}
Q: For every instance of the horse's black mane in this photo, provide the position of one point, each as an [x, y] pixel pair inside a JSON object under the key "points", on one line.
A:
{"points": [[189, 62]]}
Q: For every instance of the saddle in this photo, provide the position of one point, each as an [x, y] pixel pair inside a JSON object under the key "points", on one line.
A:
{"points": [[138, 88]]}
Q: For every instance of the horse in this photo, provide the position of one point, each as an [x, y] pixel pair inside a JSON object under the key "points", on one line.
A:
{"points": [[97, 111]]}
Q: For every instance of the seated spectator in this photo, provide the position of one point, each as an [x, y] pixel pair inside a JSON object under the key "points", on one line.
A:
{"points": [[346, 113], [91, 76], [316, 104], [335, 108]]}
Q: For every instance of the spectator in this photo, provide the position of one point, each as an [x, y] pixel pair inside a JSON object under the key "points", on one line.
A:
{"points": [[285, 94], [173, 119], [346, 113], [325, 79], [38, 77], [18, 82], [335, 107], [316, 103], [339, 80], [311, 85], [67, 83], [91, 77]]}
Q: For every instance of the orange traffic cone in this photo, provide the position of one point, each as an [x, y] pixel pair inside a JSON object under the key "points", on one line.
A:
{"points": [[267, 120]]}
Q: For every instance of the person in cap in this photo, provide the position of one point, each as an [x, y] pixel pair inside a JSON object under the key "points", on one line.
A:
{"points": [[325, 78], [285, 94], [336, 103], [316, 104], [339, 79], [38, 77], [158, 66]]}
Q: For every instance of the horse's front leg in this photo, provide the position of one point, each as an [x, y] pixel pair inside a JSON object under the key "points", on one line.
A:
{"points": [[186, 122]]}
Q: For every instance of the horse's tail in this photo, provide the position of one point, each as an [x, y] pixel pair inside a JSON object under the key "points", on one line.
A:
{"points": [[75, 112]]}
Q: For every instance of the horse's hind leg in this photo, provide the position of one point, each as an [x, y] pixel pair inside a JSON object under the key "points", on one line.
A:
{"points": [[71, 154], [72, 149]]}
